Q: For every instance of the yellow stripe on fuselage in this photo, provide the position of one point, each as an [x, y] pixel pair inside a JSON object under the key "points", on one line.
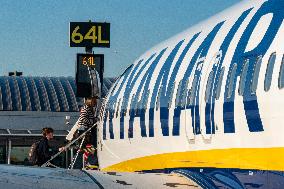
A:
{"points": [[242, 158]]}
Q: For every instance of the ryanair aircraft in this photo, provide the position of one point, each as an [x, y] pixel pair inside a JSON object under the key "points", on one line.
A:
{"points": [[208, 100], [205, 106]]}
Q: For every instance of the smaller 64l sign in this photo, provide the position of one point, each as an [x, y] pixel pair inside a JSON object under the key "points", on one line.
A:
{"points": [[89, 34]]}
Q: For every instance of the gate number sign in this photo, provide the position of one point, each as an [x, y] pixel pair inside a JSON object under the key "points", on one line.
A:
{"points": [[86, 63], [89, 34]]}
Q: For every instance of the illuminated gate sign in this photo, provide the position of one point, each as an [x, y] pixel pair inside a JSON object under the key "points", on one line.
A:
{"points": [[89, 34], [85, 64]]}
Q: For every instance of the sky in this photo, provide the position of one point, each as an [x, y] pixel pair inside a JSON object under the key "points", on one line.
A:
{"points": [[34, 34]]}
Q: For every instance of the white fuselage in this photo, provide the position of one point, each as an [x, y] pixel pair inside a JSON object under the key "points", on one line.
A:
{"points": [[163, 112]]}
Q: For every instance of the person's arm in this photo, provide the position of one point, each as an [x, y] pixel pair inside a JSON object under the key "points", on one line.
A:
{"points": [[73, 130]]}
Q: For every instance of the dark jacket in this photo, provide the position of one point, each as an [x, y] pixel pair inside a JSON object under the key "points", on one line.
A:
{"points": [[44, 152]]}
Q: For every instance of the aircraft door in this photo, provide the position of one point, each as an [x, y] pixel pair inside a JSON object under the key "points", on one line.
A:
{"points": [[189, 124], [207, 83]]}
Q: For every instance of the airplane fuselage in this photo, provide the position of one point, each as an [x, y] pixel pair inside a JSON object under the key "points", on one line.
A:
{"points": [[208, 97]]}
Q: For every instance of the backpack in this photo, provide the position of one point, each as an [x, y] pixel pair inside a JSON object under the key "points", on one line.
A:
{"points": [[33, 154]]}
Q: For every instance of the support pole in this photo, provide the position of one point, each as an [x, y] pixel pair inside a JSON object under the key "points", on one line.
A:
{"points": [[83, 161], [71, 155], [89, 50], [66, 158], [9, 151]]}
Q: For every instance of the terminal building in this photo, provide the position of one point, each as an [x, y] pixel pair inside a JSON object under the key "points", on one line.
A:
{"points": [[28, 104]]}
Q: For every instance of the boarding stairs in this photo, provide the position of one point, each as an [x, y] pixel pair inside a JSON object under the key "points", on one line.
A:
{"points": [[80, 137]]}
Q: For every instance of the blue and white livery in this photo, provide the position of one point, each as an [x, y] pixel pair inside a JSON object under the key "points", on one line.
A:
{"points": [[210, 97]]}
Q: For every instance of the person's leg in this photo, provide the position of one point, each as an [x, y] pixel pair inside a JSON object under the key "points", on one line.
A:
{"points": [[94, 142]]}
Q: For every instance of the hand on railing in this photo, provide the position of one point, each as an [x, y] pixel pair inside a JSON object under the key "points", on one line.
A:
{"points": [[61, 149]]}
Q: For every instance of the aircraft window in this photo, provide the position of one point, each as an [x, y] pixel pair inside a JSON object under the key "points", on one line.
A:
{"points": [[171, 95], [158, 98], [269, 71], [188, 97], [256, 74], [183, 94], [193, 90], [178, 95], [117, 109], [209, 86], [146, 98], [220, 83], [281, 75], [186, 93], [231, 82], [138, 105], [243, 78]]}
